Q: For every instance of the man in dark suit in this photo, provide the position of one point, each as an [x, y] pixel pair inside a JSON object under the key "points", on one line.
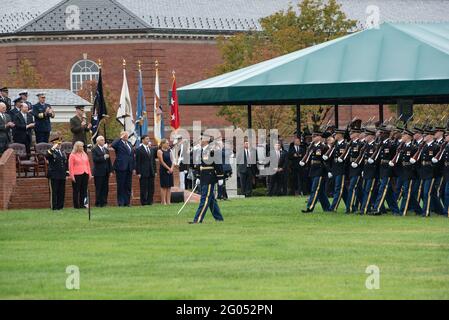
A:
{"points": [[57, 172], [79, 126], [146, 170], [246, 168], [5, 99], [23, 130], [123, 166], [277, 179], [296, 152], [5, 128], [101, 171]]}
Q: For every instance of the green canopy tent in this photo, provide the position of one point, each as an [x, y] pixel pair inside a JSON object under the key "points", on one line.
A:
{"points": [[373, 66]]}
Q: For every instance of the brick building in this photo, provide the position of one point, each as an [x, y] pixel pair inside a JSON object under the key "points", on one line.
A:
{"points": [[64, 39]]}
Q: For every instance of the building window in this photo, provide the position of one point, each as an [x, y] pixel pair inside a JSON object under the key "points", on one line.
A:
{"points": [[84, 70]]}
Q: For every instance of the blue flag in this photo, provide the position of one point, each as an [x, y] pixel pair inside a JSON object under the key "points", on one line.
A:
{"points": [[141, 111]]}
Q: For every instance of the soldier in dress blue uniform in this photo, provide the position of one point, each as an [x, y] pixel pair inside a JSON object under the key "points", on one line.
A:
{"points": [[208, 173], [57, 172], [410, 184], [317, 173], [338, 168], [427, 150], [386, 153], [370, 172], [436, 198], [355, 192], [24, 96], [42, 113], [444, 160]]}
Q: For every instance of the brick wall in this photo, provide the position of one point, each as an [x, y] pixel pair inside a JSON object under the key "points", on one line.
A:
{"points": [[7, 177]]}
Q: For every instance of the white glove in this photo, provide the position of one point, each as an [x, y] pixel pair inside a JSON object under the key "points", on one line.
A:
{"points": [[220, 182], [434, 160], [370, 161], [325, 158], [340, 160], [185, 171], [391, 164], [329, 174], [197, 182], [412, 161], [301, 163], [354, 165]]}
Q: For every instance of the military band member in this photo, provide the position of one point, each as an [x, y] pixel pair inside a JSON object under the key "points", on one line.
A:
{"points": [[408, 174], [427, 151], [42, 113], [370, 172], [385, 154], [338, 169], [57, 172], [355, 193], [317, 173], [208, 172]]}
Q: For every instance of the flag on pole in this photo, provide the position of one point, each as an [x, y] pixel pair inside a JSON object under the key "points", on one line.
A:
{"points": [[174, 107], [99, 111], [158, 120], [125, 110], [141, 111]]}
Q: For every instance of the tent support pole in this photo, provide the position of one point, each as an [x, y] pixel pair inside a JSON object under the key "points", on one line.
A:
{"points": [[381, 113], [250, 118], [298, 120], [336, 115]]}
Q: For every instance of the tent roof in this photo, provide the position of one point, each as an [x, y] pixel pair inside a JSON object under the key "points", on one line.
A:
{"points": [[395, 61]]}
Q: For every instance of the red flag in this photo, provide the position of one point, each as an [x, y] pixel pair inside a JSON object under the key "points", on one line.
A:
{"points": [[174, 107]]}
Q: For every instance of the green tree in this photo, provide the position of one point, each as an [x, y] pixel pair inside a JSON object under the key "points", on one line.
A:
{"points": [[26, 76], [282, 32]]}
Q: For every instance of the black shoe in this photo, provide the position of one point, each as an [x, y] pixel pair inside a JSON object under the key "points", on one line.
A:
{"points": [[306, 211]]}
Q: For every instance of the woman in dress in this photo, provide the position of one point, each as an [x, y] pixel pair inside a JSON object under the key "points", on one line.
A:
{"points": [[165, 171], [80, 173]]}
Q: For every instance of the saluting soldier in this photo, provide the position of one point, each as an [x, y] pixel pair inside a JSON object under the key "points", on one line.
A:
{"points": [[355, 192], [79, 126], [427, 150], [42, 113], [57, 172], [338, 168], [317, 173], [408, 174], [370, 172], [208, 172], [385, 154]]}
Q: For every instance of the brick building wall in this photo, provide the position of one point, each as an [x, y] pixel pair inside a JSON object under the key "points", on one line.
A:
{"points": [[7, 177]]}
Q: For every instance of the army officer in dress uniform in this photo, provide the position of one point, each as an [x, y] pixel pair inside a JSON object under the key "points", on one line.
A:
{"points": [[208, 173], [80, 127], [57, 172]]}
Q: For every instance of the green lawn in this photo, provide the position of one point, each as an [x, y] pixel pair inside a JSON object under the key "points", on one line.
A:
{"points": [[265, 249]]}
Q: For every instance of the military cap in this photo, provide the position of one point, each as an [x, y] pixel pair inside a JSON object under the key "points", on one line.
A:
{"points": [[429, 130], [56, 139], [340, 131], [79, 107], [408, 132], [17, 99], [4, 89], [317, 132], [41, 94], [418, 130], [384, 129], [440, 129], [25, 92], [369, 132]]}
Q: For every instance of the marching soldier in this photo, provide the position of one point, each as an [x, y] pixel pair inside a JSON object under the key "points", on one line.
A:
{"points": [[208, 172], [406, 152], [385, 153], [57, 172], [317, 173], [355, 171], [338, 168], [370, 172], [42, 113], [443, 158], [436, 205], [427, 150]]}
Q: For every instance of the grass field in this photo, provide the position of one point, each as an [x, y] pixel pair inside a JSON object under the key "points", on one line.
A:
{"points": [[265, 249]]}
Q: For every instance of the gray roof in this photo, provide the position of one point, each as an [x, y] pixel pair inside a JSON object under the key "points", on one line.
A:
{"points": [[192, 15], [55, 97]]}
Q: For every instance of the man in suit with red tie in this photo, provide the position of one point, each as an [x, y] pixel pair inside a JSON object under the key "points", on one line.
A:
{"points": [[123, 166], [101, 172], [146, 170]]}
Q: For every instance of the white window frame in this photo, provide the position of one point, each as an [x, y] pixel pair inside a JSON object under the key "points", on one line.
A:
{"points": [[89, 75]]}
